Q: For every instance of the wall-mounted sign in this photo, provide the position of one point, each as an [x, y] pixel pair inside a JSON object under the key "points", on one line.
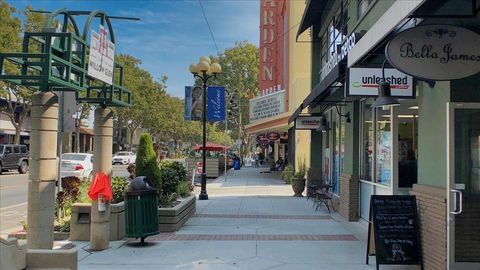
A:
{"points": [[100, 59], [307, 122], [262, 138], [364, 82], [267, 106], [273, 136], [435, 52], [336, 57], [216, 103], [193, 103]]}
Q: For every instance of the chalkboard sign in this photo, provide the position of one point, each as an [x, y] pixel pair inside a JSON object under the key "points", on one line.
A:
{"points": [[393, 219]]}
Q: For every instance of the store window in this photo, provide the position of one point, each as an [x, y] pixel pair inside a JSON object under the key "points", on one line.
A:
{"points": [[366, 144], [336, 153], [407, 114], [363, 6], [383, 168]]}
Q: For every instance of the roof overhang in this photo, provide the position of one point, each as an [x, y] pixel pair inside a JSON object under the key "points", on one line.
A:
{"points": [[312, 13], [322, 90]]}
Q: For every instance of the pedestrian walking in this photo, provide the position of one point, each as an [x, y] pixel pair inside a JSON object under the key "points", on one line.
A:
{"points": [[257, 160]]}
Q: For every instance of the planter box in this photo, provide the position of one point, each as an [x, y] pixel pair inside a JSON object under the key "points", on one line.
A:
{"points": [[57, 236], [80, 221], [172, 219]]}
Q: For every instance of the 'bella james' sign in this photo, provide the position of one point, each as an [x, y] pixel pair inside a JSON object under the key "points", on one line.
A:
{"points": [[435, 52]]}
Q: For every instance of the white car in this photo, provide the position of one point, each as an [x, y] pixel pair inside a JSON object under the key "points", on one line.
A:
{"points": [[77, 164], [124, 158]]}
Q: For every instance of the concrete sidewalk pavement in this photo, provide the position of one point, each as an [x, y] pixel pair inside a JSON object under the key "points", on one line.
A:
{"points": [[251, 221]]}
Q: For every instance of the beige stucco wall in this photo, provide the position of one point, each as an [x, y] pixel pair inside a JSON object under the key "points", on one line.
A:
{"points": [[299, 72]]}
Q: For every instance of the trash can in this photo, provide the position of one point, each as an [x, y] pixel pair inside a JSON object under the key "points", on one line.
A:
{"points": [[236, 164], [141, 213]]}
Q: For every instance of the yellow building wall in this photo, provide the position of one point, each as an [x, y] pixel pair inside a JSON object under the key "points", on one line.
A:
{"points": [[299, 70]]}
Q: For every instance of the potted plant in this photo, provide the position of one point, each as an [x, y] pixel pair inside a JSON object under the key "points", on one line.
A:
{"points": [[298, 179], [287, 174]]}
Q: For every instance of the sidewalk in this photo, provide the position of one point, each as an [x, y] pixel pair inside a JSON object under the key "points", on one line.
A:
{"points": [[251, 221]]}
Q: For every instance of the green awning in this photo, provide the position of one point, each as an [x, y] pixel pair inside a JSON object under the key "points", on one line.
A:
{"points": [[311, 14]]}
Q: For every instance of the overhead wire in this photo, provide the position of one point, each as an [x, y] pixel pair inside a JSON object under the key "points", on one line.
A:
{"points": [[209, 28]]}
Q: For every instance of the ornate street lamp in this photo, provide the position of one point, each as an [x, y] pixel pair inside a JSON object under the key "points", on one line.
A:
{"points": [[204, 70]]}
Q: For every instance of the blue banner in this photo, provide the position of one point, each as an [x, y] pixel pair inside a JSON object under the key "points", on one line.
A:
{"points": [[193, 103], [216, 103]]}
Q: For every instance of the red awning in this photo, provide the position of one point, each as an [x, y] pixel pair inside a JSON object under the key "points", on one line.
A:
{"points": [[211, 147]]}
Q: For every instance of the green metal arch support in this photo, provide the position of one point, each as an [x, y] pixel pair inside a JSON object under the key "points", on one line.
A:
{"points": [[104, 17], [67, 17]]}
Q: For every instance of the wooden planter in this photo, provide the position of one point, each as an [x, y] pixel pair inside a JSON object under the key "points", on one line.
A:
{"points": [[80, 221], [172, 219]]}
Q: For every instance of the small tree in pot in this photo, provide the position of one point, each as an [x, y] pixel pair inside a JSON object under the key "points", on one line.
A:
{"points": [[298, 179]]}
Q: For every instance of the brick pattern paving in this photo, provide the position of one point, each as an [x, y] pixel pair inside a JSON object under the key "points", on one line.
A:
{"points": [[261, 216], [249, 237]]}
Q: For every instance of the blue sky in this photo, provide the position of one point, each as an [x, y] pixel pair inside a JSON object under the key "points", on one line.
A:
{"points": [[172, 33]]}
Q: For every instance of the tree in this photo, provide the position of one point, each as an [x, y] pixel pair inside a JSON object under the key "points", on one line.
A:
{"points": [[147, 96], [18, 98], [239, 76], [146, 162]]}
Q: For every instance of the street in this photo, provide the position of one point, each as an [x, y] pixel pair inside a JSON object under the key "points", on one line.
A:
{"points": [[13, 198]]}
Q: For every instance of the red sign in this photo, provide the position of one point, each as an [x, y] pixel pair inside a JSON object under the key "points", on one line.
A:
{"points": [[273, 136], [270, 71]]}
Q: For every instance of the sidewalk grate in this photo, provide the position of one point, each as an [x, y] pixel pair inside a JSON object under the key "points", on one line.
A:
{"points": [[261, 216], [250, 237]]}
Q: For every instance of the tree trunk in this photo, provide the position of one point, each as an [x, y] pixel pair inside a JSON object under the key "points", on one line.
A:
{"points": [[130, 145], [18, 130], [77, 140]]}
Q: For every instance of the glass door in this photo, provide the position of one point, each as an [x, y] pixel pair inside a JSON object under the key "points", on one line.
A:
{"points": [[463, 194]]}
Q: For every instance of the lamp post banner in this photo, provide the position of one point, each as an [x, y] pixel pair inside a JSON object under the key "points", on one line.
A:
{"points": [[101, 56], [216, 103], [193, 103]]}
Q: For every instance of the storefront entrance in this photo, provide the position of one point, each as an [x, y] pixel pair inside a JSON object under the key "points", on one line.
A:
{"points": [[463, 194]]}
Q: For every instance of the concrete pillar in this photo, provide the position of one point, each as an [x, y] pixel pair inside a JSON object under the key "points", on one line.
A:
{"points": [[275, 151], [43, 172], [102, 162]]}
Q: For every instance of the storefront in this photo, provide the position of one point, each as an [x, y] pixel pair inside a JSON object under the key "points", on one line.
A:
{"points": [[425, 146]]}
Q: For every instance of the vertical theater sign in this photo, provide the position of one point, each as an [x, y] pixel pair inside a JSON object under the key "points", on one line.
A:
{"points": [[271, 100]]}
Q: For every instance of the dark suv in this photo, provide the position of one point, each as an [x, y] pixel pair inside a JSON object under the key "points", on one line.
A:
{"points": [[13, 157]]}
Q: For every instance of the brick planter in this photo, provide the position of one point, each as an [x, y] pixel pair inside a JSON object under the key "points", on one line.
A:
{"points": [[172, 219], [80, 221]]}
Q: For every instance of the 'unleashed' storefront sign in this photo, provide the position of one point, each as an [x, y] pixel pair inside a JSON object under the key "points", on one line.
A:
{"points": [[436, 52], [364, 82]]}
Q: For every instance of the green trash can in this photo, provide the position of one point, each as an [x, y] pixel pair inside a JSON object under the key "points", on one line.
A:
{"points": [[141, 213]]}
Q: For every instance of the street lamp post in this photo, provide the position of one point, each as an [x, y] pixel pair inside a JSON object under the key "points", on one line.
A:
{"points": [[204, 70]]}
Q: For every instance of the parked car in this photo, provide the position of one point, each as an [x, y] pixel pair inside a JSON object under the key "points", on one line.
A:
{"points": [[13, 157], [77, 164], [124, 158]]}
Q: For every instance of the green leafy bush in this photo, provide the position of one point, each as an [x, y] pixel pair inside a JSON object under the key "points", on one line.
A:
{"points": [[287, 174], [170, 180], [177, 166], [166, 201], [119, 186], [146, 162], [184, 189]]}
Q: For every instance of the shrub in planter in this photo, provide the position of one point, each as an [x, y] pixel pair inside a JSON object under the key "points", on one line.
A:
{"points": [[298, 179], [184, 189], [146, 162], [170, 180], [287, 174], [177, 167], [119, 186]]}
